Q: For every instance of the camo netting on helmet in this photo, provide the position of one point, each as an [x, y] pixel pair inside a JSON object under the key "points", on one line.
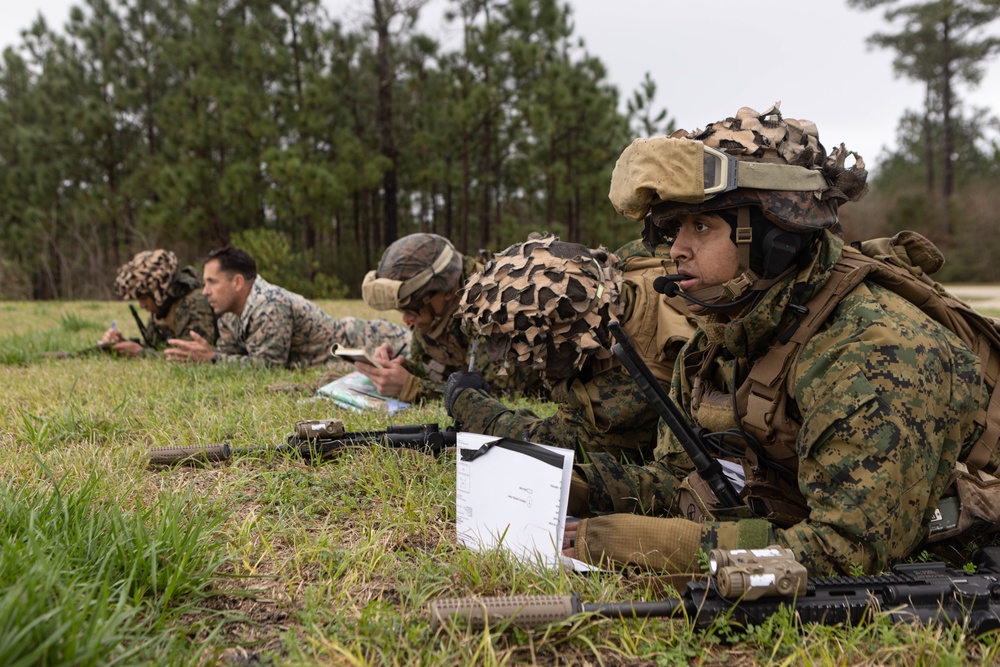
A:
{"points": [[545, 303], [148, 273], [764, 137]]}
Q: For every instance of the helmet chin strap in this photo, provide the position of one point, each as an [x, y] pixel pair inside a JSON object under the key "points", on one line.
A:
{"points": [[441, 319]]}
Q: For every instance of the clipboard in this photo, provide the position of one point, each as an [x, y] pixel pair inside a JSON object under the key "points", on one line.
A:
{"points": [[512, 495]]}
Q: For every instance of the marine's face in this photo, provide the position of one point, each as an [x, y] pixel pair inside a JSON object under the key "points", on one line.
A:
{"points": [[422, 317], [146, 302], [221, 288], [703, 251]]}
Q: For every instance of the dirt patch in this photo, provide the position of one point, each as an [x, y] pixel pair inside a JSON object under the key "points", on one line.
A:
{"points": [[980, 297]]}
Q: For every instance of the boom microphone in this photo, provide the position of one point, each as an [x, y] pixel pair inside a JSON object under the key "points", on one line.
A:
{"points": [[667, 285]]}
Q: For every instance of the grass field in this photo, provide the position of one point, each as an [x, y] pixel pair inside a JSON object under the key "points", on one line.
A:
{"points": [[267, 560]]}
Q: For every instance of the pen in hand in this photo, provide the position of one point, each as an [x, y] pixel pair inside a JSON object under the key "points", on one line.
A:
{"points": [[399, 351], [114, 336]]}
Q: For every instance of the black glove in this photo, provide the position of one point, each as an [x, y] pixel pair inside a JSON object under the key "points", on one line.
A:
{"points": [[459, 382]]}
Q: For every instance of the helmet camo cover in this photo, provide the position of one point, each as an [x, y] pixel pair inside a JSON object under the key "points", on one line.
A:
{"points": [[414, 253], [546, 304], [750, 137], [148, 273]]}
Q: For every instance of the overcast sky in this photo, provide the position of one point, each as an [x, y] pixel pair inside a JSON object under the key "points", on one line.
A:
{"points": [[709, 58]]}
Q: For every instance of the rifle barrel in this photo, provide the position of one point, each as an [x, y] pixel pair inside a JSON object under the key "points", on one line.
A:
{"points": [[709, 468], [427, 437]]}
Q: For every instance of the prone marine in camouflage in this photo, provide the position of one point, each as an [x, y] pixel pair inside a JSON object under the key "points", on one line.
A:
{"points": [[545, 304], [264, 324], [440, 346], [877, 407], [282, 328], [172, 296]]}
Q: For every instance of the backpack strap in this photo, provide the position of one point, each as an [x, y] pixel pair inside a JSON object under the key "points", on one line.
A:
{"points": [[981, 455], [979, 332], [767, 378]]}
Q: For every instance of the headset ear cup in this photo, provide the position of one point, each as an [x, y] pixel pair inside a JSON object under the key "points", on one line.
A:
{"points": [[781, 248]]}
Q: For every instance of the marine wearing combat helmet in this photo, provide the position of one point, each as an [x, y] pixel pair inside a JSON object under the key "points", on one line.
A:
{"points": [[848, 461], [420, 276], [170, 294]]}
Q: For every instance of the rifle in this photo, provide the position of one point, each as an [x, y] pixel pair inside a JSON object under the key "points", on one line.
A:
{"points": [[690, 438], [315, 440], [914, 592], [106, 348], [143, 331]]}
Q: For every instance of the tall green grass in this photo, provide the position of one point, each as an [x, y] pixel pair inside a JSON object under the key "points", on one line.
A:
{"points": [[86, 581]]}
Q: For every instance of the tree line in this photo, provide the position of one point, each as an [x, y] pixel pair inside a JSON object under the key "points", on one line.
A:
{"points": [[187, 124]]}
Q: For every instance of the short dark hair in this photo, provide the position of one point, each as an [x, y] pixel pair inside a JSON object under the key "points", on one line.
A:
{"points": [[234, 260]]}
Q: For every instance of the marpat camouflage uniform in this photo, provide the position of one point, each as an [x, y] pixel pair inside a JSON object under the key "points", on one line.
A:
{"points": [[437, 354], [885, 399], [281, 328], [184, 309]]}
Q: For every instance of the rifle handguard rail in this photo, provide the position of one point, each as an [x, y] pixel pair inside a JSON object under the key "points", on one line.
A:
{"points": [[192, 453]]}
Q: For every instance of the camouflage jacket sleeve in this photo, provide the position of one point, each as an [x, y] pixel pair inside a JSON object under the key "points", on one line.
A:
{"points": [[617, 486], [606, 414], [418, 386], [268, 334], [519, 381], [421, 389], [427, 388], [228, 346]]}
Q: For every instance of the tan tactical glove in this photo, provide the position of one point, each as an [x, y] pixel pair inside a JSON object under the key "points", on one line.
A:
{"points": [[663, 544]]}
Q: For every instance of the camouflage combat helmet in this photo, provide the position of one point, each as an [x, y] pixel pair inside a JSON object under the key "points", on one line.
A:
{"points": [[779, 171], [148, 273], [546, 304], [411, 270]]}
